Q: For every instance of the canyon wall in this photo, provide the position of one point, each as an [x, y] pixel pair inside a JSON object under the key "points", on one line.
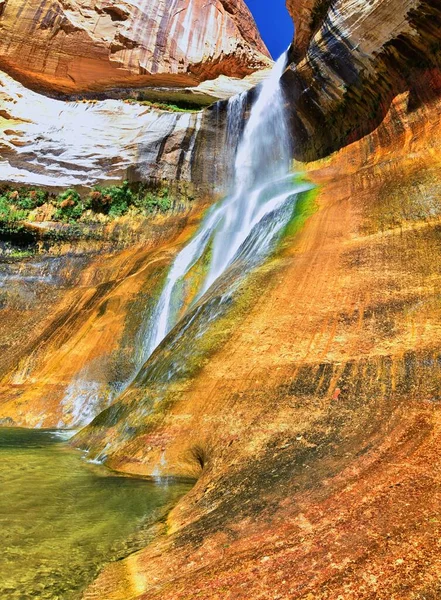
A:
{"points": [[54, 143], [74, 313], [78, 45], [174, 51], [179, 51], [311, 413], [353, 59]]}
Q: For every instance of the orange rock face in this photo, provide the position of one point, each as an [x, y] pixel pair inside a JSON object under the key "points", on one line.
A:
{"points": [[60, 363], [315, 429], [311, 413], [77, 45]]}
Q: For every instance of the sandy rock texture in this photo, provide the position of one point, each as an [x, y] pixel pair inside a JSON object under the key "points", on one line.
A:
{"points": [[52, 143], [359, 56], [73, 315], [314, 429], [77, 45], [310, 413]]}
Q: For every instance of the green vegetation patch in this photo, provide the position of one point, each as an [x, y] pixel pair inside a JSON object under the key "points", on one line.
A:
{"points": [[31, 218], [71, 205], [305, 207], [180, 106]]}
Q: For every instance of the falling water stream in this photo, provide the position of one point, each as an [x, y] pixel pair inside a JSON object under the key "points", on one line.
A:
{"points": [[62, 518], [246, 225], [237, 234]]}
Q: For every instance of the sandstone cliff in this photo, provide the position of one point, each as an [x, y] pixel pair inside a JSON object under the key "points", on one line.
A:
{"points": [[54, 143], [351, 61], [50, 142], [314, 426], [77, 45], [196, 52], [310, 414]]}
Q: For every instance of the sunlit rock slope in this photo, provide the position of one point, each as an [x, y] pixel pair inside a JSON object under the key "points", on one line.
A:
{"points": [[73, 314], [311, 414], [77, 45]]}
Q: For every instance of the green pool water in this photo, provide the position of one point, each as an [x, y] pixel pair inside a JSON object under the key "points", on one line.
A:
{"points": [[62, 519]]}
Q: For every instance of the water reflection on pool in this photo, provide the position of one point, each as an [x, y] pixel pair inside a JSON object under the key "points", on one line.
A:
{"points": [[61, 518]]}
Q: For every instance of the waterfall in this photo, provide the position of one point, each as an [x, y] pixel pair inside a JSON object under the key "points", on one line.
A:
{"points": [[244, 227], [235, 118]]}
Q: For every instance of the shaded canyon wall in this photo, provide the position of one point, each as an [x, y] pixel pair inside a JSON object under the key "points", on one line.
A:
{"points": [[354, 58]]}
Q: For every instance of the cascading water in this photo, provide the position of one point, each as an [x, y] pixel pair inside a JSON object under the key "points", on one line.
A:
{"points": [[235, 119], [244, 227]]}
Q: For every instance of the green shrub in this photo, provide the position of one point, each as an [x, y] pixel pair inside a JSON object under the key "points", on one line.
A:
{"points": [[113, 200], [151, 202], [29, 199], [9, 212], [70, 206]]}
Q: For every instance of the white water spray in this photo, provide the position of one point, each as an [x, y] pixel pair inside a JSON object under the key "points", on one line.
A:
{"points": [[245, 225]]}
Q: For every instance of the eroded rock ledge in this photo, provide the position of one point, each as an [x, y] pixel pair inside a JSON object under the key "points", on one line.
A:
{"points": [[78, 45], [351, 61]]}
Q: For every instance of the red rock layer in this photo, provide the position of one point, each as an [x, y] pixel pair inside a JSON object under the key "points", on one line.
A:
{"points": [[72, 45], [308, 16], [316, 427]]}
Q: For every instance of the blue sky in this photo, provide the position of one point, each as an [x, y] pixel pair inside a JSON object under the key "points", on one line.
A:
{"points": [[274, 24]]}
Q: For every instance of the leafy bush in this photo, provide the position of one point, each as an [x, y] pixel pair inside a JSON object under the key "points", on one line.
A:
{"points": [[112, 200], [29, 199], [151, 202], [70, 206], [9, 212], [115, 201]]}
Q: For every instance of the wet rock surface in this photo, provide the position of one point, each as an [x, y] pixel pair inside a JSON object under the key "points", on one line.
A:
{"points": [[71, 314], [311, 413], [315, 428]]}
